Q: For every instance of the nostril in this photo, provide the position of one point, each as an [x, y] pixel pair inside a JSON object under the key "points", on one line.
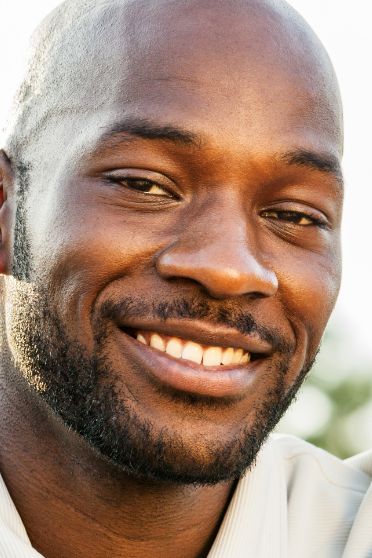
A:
{"points": [[256, 295], [222, 271]]}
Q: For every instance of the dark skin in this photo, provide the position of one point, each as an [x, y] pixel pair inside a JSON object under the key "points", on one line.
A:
{"points": [[256, 148]]}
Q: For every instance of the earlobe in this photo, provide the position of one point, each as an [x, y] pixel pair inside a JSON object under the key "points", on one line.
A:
{"points": [[6, 187]]}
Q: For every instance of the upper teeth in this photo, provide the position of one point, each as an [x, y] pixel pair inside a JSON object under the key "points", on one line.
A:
{"points": [[188, 350]]}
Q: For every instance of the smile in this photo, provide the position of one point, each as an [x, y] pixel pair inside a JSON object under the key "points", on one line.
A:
{"points": [[184, 349], [195, 357]]}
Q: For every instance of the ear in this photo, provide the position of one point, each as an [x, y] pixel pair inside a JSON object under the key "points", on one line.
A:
{"points": [[6, 201]]}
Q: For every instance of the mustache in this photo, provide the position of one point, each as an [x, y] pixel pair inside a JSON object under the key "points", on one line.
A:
{"points": [[195, 309]]}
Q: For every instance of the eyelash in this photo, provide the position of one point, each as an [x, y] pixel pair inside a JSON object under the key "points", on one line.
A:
{"points": [[296, 215], [132, 183]]}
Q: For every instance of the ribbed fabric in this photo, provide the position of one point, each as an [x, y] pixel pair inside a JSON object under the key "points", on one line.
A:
{"points": [[360, 539], [297, 502], [256, 520]]}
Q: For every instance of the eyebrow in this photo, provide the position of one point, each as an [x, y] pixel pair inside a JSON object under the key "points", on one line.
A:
{"points": [[146, 129], [322, 162]]}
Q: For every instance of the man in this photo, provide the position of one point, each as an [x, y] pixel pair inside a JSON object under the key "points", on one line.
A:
{"points": [[171, 207]]}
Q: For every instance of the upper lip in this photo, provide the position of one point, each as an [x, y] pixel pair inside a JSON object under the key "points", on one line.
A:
{"points": [[203, 333]]}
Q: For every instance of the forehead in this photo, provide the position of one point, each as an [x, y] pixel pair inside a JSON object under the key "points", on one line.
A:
{"points": [[234, 75]]}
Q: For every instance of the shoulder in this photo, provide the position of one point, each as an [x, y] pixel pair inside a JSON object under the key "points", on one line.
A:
{"points": [[362, 462], [324, 494], [306, 461]]}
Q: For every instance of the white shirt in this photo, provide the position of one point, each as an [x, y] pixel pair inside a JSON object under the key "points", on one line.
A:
{"points": [[297, 502]]}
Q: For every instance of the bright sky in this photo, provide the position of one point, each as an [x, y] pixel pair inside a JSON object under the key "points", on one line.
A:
{"points": [[344, 27]]}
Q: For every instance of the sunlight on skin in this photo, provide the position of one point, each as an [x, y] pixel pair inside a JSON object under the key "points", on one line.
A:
{"points": [[100, 283], [350, 58]]}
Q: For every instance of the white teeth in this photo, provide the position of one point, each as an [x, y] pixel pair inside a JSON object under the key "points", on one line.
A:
{"points": [[174, 348], [157, 342], [188, 350], [238, 353], [227, 356], [212, 356], [192, 351], [245, 358], [141, 339]]}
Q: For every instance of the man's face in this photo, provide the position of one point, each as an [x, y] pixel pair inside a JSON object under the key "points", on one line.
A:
{"points": [[196, 200]]}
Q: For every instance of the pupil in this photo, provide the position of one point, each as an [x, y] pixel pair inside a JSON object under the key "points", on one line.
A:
{"points": [[142, 185]]}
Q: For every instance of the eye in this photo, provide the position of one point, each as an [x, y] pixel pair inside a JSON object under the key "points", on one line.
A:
{"points": [[147, 187], [294, 217]]}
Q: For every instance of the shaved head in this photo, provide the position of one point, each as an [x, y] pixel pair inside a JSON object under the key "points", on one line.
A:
{"points": [[80, 45]]}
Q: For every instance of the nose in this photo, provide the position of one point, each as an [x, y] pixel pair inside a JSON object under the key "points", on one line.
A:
{"points": [[222, 256]]}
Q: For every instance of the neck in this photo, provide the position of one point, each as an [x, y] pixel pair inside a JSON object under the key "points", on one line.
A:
{"points": [[74, 503]]}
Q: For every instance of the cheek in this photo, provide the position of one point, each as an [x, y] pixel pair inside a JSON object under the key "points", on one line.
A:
{"points": [[308, 289], [85, 251]]}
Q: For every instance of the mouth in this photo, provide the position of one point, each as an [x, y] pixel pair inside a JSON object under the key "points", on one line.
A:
{"points": [[183, 349], [228, 367]]}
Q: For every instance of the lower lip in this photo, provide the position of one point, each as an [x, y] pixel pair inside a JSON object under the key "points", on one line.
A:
{"points": [[186, 376]]}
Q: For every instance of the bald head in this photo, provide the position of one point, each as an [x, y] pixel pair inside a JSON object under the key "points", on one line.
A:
{"points": [[87, 56]]}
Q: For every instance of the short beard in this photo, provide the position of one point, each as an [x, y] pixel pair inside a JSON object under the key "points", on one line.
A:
{"points": [[82, 390], [22, 246]]}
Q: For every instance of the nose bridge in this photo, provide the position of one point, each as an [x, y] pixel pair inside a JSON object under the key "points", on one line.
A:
{"points": [[219, 249]]}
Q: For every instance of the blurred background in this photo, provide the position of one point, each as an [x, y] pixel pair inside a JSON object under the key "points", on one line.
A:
{"points": [[334, 408]]}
